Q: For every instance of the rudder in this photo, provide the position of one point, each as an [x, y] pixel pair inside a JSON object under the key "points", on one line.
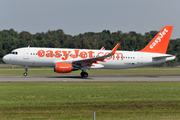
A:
{"points": [[160, 42]]}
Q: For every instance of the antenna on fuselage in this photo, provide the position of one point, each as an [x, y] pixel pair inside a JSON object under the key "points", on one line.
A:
{"points": [[28, 46]]}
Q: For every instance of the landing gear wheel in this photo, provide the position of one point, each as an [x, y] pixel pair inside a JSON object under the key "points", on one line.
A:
{"points": [[25, 74], [84, 74], [26, 69]]}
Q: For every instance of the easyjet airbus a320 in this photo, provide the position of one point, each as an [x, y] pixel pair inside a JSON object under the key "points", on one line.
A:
{"points": [[67, 60]]}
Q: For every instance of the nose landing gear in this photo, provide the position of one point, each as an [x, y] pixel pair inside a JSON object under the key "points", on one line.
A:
{"points": [[26, 69]]}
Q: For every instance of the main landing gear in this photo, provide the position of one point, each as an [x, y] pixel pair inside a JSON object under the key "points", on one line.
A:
{"points": [[84, 74], [26, 69]]}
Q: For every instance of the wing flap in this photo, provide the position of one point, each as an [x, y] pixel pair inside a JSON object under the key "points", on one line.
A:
{"points": [[95, 66]]}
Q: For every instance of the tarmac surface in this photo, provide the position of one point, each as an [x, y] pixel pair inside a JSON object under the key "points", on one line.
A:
{"points": [[93, 78]]}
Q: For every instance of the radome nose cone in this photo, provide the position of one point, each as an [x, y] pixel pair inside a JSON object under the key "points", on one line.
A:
{"points": [[4, 58]]}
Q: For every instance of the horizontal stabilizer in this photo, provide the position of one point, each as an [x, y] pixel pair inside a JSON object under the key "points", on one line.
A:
{"points": [[164, 57]]}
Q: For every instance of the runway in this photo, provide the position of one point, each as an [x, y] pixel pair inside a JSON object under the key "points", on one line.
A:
{"points": [[97, 78]]}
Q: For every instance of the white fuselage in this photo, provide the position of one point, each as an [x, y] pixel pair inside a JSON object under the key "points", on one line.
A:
{"points": [[47, 57]]}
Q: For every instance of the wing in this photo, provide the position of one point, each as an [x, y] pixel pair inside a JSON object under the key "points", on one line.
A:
{"points": [[93, 62]]}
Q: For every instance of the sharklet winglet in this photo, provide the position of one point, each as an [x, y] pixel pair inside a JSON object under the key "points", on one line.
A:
{"points": [[115, 48]]}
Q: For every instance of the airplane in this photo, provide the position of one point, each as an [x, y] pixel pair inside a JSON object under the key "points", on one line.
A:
{"points": [[66, 60]]}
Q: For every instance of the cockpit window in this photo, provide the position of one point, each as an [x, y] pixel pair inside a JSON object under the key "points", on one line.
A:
{"points": [[15, 53]]}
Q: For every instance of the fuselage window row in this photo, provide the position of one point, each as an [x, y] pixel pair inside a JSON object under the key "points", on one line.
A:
{"points": [[76, 55]]}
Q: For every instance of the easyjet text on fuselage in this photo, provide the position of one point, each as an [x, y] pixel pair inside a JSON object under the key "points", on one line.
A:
{"points": [[75, 54]]}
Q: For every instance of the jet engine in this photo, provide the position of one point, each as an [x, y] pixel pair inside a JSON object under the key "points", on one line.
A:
{"points": [[64, 67]]}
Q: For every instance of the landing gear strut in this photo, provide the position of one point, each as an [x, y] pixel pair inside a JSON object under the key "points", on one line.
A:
{"points": [[26, 69], [84, 74]]}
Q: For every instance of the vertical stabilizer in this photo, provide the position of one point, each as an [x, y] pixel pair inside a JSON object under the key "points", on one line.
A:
{"points": [[159, 43]]}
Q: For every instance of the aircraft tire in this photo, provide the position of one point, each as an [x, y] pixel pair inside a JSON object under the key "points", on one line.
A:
{"points": [[84, 74], [25, 74]]}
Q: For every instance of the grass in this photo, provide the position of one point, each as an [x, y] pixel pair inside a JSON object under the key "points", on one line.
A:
{"points": [[76, 101]]}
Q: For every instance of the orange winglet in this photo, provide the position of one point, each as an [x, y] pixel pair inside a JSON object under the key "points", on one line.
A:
{"points": [[115, 48], [102, 48]]}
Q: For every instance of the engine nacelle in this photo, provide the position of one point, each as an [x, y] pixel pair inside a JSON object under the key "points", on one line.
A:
{"points": [[64, 67]]}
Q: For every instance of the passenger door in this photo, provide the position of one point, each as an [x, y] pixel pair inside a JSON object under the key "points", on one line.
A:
{"points": [[26, 54], [140, 58]]}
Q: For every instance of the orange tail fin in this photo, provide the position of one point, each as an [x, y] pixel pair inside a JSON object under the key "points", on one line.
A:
{"points": [[160, 42]]}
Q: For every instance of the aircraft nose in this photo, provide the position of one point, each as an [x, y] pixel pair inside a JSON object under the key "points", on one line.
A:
{"points": [[5, 59]]}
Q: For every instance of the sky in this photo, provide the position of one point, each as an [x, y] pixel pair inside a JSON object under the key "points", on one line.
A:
{"points": [[76, 17]]}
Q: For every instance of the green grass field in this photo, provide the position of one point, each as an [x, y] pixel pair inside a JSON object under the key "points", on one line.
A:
{"points": [[76, 101]]}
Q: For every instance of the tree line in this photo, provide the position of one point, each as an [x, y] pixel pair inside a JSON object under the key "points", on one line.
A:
{"points": [[10, 39]]}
